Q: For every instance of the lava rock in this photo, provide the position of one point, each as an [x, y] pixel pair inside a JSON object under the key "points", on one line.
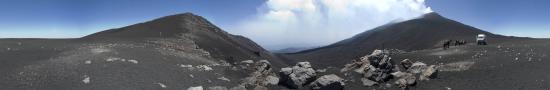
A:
{"points": [[297, 76]]}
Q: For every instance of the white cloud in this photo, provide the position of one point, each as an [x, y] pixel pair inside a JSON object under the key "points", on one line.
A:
{"points": [[306, 23]]}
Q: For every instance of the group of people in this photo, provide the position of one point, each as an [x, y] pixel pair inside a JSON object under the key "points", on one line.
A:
{"points": [[448, 43]]}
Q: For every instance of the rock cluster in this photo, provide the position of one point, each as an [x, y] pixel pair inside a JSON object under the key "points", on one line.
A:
{"points": [[374, 68], [377, 68]]}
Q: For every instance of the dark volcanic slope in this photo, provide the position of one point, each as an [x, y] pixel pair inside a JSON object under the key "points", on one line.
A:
{"points": [[517, 65], [427, 32], [219, 43], [174, 52]]}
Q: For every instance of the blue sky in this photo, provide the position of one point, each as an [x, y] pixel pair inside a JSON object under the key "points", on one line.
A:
{"points": [[76, 18]]}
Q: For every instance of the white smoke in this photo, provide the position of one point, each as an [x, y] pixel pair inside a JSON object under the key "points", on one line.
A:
{"points": [[306, 23]]}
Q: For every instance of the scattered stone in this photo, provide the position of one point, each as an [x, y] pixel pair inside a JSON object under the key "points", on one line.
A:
{"points": [[186, 66], [88, 62], [133, 61], [247, 61], [204, 68], [195, 88], [86, 79], [328, 82], [223, 78], [111, 59], [161, 85], [321, 70]]}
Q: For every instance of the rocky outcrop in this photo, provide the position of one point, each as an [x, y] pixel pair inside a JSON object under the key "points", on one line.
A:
{"points": [[377, 69], [328, 82], [297, 76]]}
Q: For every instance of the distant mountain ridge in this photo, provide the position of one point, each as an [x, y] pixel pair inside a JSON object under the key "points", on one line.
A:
{"points": [[206, 35], [426, 32]]}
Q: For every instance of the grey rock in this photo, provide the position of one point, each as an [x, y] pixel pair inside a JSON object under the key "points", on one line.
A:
{"points": [[328, 82]]}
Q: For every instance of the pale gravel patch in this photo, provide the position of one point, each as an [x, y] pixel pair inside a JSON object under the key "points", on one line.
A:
{"points": [[99, 50], [456, 66]]}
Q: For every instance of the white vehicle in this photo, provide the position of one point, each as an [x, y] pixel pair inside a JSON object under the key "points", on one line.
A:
{"points": [[481, 39]]}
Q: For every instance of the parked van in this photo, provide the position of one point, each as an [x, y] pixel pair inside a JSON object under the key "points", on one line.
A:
{"points": [[481, 39]]}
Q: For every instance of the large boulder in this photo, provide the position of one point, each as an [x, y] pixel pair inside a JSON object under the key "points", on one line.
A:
{"points": [[299, 75], [262, 76], [328, 82]]}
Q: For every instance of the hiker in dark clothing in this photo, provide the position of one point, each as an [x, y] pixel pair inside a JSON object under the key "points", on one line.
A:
{"points": [[447, 44]]}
